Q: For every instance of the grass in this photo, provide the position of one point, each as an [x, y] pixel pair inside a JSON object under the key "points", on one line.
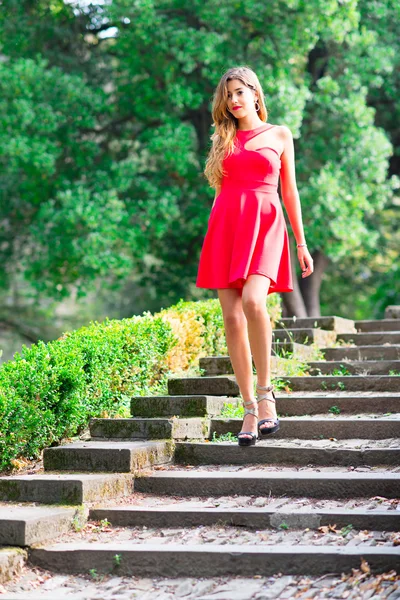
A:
{"points": [[224, 437], [341, 372], [346, 530], [117, 559]]}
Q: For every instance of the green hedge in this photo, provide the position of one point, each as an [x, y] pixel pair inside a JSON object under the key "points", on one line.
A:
{"points": [[50, 391]]}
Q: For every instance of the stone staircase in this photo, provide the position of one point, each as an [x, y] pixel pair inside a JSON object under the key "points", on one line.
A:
{"points": [[320, 496]]}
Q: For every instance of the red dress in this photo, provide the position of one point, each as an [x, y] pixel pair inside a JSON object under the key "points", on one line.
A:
{"points": [[246, 228]]}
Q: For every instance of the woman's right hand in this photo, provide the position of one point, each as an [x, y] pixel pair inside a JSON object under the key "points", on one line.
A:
{"points": [[306, 261]]}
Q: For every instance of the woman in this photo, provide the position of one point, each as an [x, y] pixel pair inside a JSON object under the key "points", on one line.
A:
{"points": [[245, 253]]}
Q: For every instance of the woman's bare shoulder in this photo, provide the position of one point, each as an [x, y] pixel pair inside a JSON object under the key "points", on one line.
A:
{"points": [[283, 130]]}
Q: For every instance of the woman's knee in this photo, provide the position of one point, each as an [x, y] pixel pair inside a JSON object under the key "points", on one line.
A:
{"points": [[234, 319], [254, 306]]}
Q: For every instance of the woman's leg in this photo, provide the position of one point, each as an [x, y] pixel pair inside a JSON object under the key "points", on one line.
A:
{"points": [[254, 296], [239, 349]]}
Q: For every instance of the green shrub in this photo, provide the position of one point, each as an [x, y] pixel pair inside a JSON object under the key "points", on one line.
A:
{"points": [[203, 331], [50, 391]]}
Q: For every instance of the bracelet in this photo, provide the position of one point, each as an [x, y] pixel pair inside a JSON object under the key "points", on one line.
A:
{"points": [[299, 245]]}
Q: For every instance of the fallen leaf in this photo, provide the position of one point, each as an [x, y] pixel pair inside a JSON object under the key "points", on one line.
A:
{"points": [[396, 541], [328, 528], [379, 498], [365, 566], [391, 576]]}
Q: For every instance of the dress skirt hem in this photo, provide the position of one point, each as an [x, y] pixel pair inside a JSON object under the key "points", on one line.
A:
{"points": [[239, 284]]}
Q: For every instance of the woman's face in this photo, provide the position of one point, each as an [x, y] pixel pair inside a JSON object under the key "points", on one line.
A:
{"points": [[241, 99]]}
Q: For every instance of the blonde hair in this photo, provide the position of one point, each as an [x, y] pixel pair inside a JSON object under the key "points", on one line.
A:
{"points": [[226, 124]]}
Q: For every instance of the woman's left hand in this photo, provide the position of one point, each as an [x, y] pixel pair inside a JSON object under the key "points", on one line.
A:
{"points": [[305, 260]]}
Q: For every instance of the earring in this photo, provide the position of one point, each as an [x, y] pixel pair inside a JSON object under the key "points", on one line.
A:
{"points": [[257, 109]]}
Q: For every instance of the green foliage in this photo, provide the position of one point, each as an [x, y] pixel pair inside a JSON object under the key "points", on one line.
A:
{"points": [[209, 313], [232, 411], [224, 437], [281, 384], [344, 532], [104, 136], [335, 410], [117, 559], [212, 332], [341, 371], [50, 391]]}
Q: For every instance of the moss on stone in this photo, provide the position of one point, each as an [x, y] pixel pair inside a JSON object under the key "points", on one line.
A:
{"points": [[10, 490]]}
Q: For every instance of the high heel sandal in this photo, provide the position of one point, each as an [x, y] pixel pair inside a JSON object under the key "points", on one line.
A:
{"points": [[267, 430], [246, 441]]}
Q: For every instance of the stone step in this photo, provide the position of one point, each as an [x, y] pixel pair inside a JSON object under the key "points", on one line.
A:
{"points": [[285, 348], [150, 429], [209, 560], [353, 452], [180, 406], [107, 457], [331, 483], [221, 365], [337, 324], [359, 367], [299, 403], [289, 404], [63, 488], [209, 386], [226, 385], [377, 325], [370, 338], [392, 312], [26, 525], [184, 515], [373, 428], [12, 561], [377, 352], [311, 428], [362, 383], [321, 337]]}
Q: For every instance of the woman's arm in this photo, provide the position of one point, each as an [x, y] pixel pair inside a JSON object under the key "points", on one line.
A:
{"points": [[291, 199], [290, 193]]}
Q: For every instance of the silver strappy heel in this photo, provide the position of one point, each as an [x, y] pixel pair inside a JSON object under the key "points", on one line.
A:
{"points": [[245, 441], [263, 431]]}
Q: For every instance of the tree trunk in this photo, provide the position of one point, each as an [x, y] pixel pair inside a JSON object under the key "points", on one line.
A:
{"points": [[293, 303], [310, 286]]}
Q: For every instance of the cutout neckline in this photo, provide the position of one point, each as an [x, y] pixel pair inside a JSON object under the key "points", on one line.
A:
{"points": [[255, 129], [244, 140]]}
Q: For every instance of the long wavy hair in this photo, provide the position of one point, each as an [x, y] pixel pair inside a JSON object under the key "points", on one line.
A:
{"points": [[225, 123]]}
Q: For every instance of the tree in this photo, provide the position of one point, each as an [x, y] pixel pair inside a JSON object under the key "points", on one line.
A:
{"points": [[106, 126]]}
